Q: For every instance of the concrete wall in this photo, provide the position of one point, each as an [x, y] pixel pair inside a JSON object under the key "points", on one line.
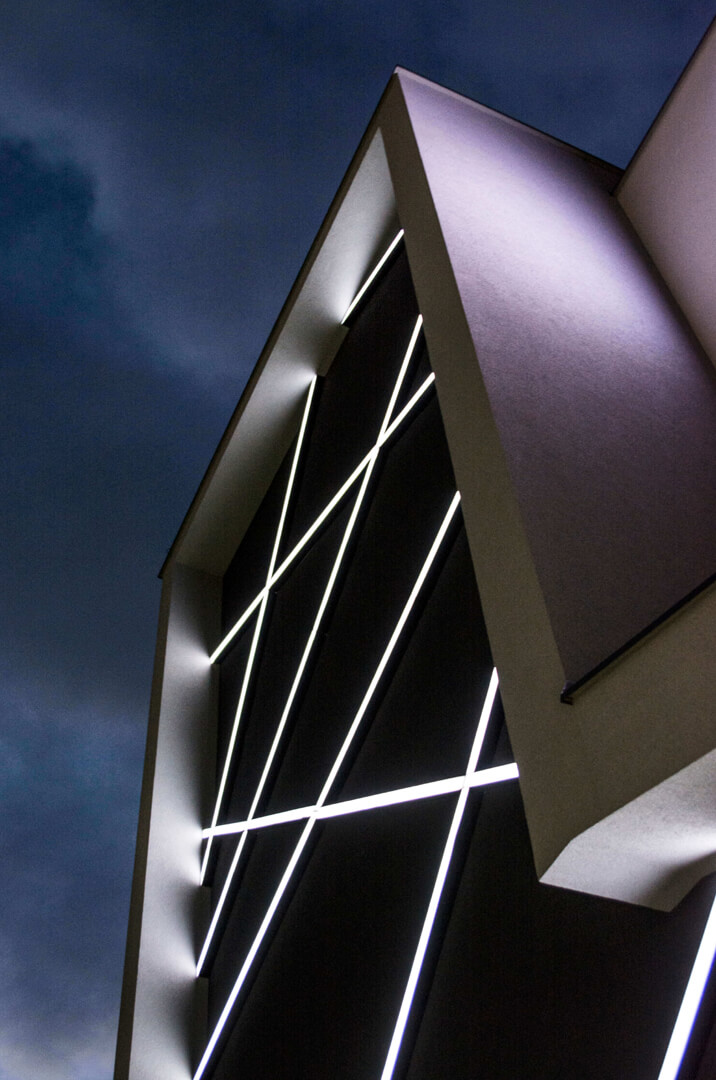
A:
{"points": [[159, 1007], [669, 195]]}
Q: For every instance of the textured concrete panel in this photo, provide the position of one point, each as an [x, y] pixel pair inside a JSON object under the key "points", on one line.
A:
{"points": [[668, 192], [604, 402]]}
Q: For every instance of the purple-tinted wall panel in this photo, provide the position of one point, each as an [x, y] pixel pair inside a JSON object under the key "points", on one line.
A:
{"points": [[605, 404]]}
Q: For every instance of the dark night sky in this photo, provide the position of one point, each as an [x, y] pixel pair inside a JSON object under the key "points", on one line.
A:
{"points": [[164, 167]]}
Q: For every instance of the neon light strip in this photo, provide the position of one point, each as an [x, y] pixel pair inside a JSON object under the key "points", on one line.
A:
{"points": [[495, 775], [422, 389], [325, 513], [387, 429], [426, 931], [292, 556], [373, 275], [235, 729], [343, 490], [308, 648], [258, 626], [383, 663], [399, 381], [692, 999], [347, 485], [310, 823], [267, 919], [284, 716]]}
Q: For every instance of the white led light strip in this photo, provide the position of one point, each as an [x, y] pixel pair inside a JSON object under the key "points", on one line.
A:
{"points": [[258, 627], [692, 999], [372, 276], [308, 648], [494, 775], [322, 810], [322, 517], [326, 789], [429, 921]]}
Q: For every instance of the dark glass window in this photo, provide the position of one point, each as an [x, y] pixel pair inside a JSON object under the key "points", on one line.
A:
{"points": [[364, 670]]}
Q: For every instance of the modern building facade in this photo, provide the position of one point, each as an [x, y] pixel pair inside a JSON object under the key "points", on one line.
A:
{"points": [[429, 787]]}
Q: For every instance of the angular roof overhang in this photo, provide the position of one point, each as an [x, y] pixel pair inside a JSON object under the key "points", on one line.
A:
{"points": [[580, 413]]}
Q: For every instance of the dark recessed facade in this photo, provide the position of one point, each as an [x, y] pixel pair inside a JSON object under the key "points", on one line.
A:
{"points": [[422, 796]]}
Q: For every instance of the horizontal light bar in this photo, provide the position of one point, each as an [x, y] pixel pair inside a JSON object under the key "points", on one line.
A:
{"points": [[372, 276], [692, 999], [495, 775]]}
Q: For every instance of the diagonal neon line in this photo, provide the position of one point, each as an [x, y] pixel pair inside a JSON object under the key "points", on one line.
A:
{"points": [[325, 513], [408, 407], [238, 625], [291, 557], [401, 376], [385, 658], [308, 648], [373, 275], [691, 1000], [228, 881], [310, 823], [322, 517], [429, 920], [496, 774], [257, 628]]}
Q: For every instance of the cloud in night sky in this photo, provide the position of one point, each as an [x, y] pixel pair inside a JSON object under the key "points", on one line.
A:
{"points": [[91, 475], [164, 167], [191, 117]]}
